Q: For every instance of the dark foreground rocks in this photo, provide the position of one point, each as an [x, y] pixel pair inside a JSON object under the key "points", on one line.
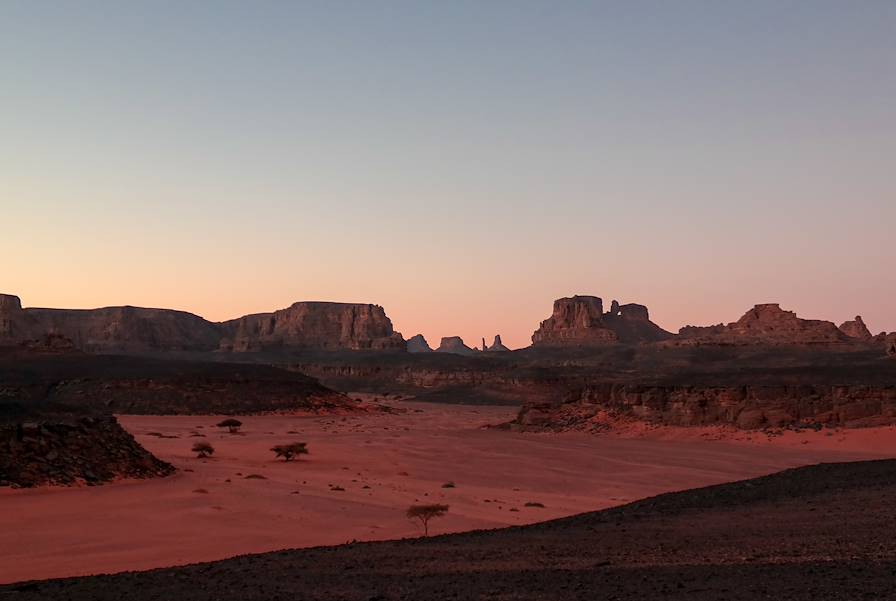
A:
{"points": [[816, 533], [68, 449]]}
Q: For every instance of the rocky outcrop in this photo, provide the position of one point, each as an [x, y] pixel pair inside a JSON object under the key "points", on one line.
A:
{"points": [[581, 321], [856, 329], [314, 325], [454, 345], [575, 321], [890, 344], [596, 407], [70, 450], [767, 324], [418, 344], [496, 347], [110, 329]]}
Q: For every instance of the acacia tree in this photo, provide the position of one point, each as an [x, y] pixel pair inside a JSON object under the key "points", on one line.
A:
{"points": [[293, 449], [231, 424], [203, 449], [424, 513]]}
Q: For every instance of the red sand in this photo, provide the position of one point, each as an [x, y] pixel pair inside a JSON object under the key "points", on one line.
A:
{"points": [[403, 459]]}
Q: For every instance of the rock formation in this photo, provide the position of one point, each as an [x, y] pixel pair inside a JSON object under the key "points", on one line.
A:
{"points": [[68, 450], [317, 325], [749, 407], [856, 329], [890, 344], [418, 344], [496, 347], [455, 345], [767, 324], [581, 321]]}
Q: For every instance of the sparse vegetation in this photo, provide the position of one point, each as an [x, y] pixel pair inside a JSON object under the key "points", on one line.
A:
{"points": [[255, 477], [233, 425], [203, 449], [425, 513], [534, 504], [288, 451], [448, 485]]}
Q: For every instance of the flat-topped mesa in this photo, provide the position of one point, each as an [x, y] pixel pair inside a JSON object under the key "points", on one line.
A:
{"points": [[576, 321], [581, 321], [497, 346], [767, 324], [317, 325], [109, 329], [454, 345], [856, 329], [418, 344]]}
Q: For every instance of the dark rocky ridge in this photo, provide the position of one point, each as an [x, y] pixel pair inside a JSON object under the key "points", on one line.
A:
{"points": [[62, 446], [144, 385], [801, 535]]}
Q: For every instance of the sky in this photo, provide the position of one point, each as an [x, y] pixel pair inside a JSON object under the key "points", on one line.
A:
{"points": [[461, 163]]}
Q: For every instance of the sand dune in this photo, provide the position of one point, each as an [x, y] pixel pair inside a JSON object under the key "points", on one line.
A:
{"points": [[382, 463]]}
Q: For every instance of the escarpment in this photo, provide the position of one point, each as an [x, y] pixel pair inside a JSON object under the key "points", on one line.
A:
{"points": [[315, 325], [581, 321]]}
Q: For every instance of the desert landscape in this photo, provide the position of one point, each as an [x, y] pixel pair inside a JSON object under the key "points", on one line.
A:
{"points": [[437, 301]]}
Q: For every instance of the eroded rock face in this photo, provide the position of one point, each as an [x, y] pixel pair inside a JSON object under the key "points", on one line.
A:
{"points": [[454, 344], [576, 321], [497, 345], [110, 329], [580, 321], [856, 329], [890, 344], [317, 325], [767, 324], [418, 344], [71, 450], [746, 407]]}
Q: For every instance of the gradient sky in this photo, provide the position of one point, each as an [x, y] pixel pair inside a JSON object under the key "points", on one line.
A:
{"points": [[460, 163]]}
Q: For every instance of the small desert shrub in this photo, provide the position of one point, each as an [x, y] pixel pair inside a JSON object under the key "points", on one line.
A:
{"points": [[534, 504], [448, 485], [255, 477], [203, 449], [202, 491], [288, 451], [425, 513], [337, 488], [231, 424]]}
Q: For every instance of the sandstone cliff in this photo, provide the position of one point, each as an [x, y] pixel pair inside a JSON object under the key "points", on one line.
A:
{"points": [[596, 407], [316, 325], [581, 321]]}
